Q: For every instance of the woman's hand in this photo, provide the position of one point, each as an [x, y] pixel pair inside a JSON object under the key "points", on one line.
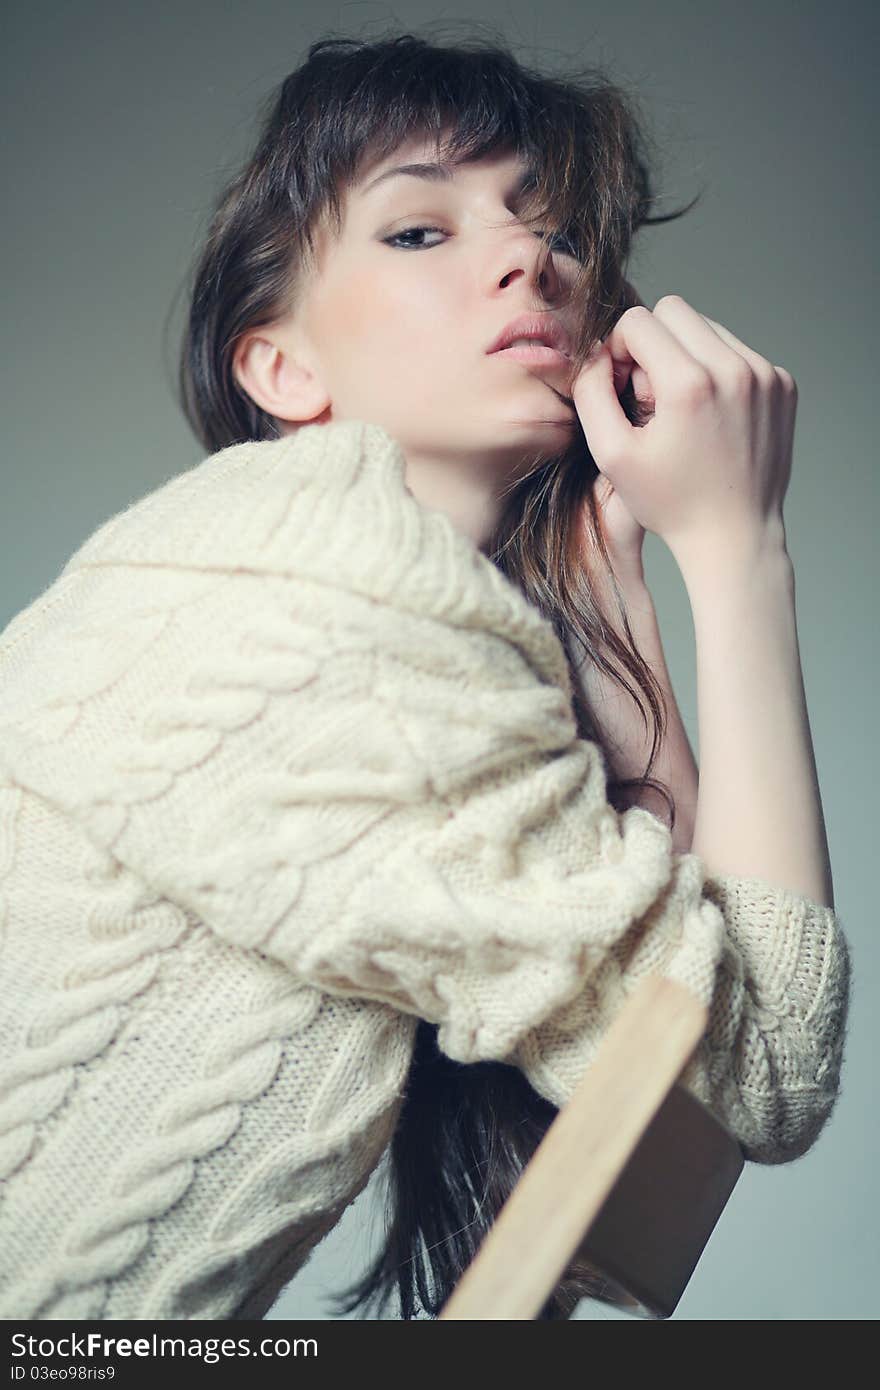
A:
{"points": [[712, 465]]}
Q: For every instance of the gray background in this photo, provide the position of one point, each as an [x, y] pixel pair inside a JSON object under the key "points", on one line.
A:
{"points": [[123, 120]]}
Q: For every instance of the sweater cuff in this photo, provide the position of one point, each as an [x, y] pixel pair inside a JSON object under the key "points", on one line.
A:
{"points": [[794, 954]]}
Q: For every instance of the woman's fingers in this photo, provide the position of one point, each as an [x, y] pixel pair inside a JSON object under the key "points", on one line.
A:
{"points": [[641, 337], [700, 336], [708, 340], [759, 364], [605, 425], [704, 339]]}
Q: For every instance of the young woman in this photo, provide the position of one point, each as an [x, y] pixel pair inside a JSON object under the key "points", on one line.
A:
{"points": [[310, 850]]}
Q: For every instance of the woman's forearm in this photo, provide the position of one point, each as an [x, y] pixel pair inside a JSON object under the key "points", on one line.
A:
{"points": [[759, 811], [620, 723]]}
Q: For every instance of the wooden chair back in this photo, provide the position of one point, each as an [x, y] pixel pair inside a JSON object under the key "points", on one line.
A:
{"points": [[631, 1176]]}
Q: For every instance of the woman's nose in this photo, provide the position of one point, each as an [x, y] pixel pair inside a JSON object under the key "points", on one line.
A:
{"points": [[532, 260]]}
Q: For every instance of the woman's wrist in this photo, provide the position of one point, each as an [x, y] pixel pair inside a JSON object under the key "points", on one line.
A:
{"points": [[712, 564], [738, 579]]}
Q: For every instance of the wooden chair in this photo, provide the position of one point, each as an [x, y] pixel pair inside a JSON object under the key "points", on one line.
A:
{"points": [[631, 1176]]}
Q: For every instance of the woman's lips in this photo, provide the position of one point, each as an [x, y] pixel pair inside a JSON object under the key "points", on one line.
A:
{"points": [[533, 352]]}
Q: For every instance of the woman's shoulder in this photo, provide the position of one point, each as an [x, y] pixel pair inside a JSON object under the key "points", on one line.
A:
{"points": [[321, 520], [241, 497], [329, 504]]}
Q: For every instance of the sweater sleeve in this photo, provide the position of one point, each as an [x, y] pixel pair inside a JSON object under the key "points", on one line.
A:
{"points": [[446, 850], [397, 808]]}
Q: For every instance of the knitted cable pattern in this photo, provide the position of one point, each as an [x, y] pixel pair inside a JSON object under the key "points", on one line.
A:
{"points": [[197, 1118], [279, 715], [265, 1218]]}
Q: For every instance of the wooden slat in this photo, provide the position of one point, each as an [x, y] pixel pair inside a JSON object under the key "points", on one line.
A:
{"points": [[656, 1221], [582, 1155]]}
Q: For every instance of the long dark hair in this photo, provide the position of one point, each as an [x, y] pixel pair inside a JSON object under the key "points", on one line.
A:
{"points": [[465, 1132]]}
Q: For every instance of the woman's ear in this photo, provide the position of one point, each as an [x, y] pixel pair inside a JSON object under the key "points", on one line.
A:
{"points": [[277, 375]]}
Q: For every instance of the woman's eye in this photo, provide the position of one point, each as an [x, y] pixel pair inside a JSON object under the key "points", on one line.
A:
{"points": [[567, 248], [396, 240], [411, 231]]}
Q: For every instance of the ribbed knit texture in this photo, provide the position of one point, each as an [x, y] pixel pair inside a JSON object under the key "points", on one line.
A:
{"points": [[286, 763]]}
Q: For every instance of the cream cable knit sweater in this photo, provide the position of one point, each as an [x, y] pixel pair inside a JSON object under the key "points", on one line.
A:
{"points": [[285, 764]]}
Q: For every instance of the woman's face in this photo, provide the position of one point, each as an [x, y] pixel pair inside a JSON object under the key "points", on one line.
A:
{"points": [[394, 324]]}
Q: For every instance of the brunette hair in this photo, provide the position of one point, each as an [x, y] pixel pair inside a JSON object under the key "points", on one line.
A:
{"points": [[465, 1132]]}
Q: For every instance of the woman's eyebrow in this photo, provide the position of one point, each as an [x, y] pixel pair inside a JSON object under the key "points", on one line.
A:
{"points": [[438, 173]]}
